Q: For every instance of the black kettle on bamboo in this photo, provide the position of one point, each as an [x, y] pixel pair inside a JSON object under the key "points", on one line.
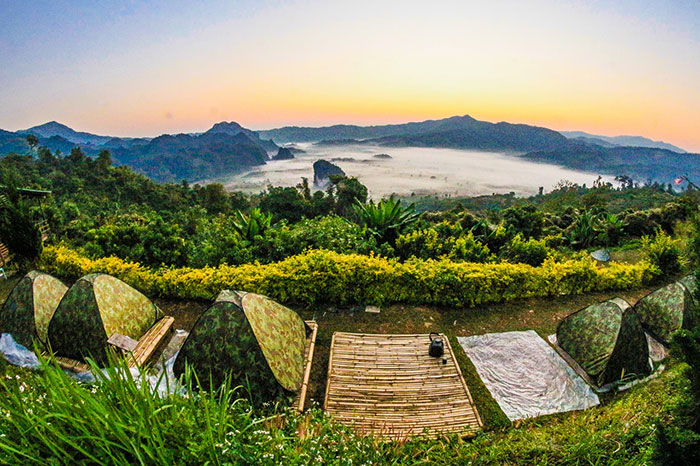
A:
{"points": [[437, 346]]}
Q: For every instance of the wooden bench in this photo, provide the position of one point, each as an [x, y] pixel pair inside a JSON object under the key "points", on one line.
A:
{"points": [[4, 255], [150, 341], [44, 229], [145, 347]]}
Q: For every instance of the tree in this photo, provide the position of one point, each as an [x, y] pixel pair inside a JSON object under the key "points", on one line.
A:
{"points": [[46, 157], [104, 160], [76, 156], [285, 203], [348, 191], [214, 198], [33, 141], [17, 230]]}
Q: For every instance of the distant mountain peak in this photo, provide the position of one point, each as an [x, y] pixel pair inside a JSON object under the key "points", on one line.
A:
{"points": [[50, 125], [227, 127], [54, 128], [233, 129]]}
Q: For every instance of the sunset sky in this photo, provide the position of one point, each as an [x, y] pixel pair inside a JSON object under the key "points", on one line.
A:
{"points": [[144, 68]]}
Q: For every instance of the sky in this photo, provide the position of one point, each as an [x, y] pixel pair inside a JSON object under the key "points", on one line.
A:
{"points": [[128, 68]]}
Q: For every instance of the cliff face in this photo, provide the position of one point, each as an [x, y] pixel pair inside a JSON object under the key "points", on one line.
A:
{"points": [[323, 170], [283, 154]]}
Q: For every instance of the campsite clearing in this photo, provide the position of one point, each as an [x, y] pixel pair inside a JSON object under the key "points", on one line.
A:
{"points": [[540, 314]]}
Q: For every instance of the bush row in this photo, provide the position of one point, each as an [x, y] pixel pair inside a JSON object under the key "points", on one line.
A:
{"points": [[320, 276]]}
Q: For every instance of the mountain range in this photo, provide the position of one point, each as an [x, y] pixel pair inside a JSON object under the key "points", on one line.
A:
{"points": [[228, 148], [224, 149], [462, 132]]}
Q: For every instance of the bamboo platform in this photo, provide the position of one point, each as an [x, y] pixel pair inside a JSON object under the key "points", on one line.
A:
{"points": [[300, 400], [389, 386], [145, 347]]}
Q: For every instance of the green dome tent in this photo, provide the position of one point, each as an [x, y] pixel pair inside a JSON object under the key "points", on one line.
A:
{"points": [[96, 307], [665, 311], [258, 341], [30, 306], [606, 340]]}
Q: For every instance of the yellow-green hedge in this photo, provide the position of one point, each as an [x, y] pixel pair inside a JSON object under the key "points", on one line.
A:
{"points": [[323, 276]]}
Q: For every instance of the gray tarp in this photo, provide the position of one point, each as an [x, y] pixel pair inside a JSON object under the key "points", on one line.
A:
{"points": [[163, 383], [525, 376]]}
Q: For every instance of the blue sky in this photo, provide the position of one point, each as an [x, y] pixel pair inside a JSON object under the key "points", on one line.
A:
{"points": [[144, 68]]}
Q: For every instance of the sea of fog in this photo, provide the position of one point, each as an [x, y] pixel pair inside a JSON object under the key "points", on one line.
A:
{"points": [[414, 170]]}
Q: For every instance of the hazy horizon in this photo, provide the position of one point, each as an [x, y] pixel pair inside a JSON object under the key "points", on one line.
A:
{"points": [[144, 69]]}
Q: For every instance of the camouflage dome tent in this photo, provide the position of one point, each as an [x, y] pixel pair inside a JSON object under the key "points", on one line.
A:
{"points": [[606, 340], [96, 307], [258, 341], [665, 311], [29, 308]]}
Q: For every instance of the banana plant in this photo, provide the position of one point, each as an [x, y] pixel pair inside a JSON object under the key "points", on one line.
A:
{"points": [[585, 231]]}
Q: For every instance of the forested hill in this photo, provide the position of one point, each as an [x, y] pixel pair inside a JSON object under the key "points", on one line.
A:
{"points": [[640, 163], [184, 157]]}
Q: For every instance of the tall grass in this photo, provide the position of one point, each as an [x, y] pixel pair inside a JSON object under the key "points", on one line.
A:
{"points": [[49, 418], [121, 419]]}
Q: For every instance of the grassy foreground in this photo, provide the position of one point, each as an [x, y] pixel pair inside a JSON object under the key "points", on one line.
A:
{"points": [[47, 418]]}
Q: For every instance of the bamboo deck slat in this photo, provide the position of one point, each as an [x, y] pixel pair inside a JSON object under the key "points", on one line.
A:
{"points": [[389, 386], [308, 359], [71, 364], [150, 341]]}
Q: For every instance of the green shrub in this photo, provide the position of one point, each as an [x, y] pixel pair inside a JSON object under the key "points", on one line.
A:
{"points": [[526, 220], [532, 252], [646, 222], [320, 276], [332, 233], [430, 244], [611, 229], [141, 238], [662, 251], [554, 241]]}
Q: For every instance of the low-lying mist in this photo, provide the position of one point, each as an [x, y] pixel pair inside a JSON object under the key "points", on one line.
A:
{"points": [[414, 170]]}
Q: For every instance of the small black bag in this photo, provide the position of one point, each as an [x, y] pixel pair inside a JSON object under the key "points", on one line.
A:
{"points": [[437, 347]]}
